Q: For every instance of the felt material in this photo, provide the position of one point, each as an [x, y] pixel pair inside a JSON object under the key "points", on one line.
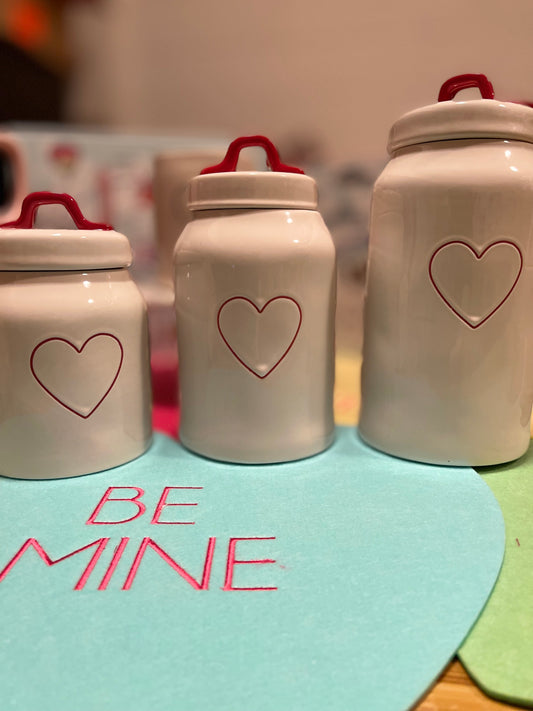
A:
{"points": [[498, 654], [344, 581]]}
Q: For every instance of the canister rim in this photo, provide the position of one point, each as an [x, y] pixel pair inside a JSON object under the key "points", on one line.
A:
{"points": [[252, 189], [61, 249], [446, 120]]}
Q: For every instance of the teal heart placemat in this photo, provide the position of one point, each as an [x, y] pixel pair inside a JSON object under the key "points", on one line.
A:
{"points": [[344, 581], [499, 652]]}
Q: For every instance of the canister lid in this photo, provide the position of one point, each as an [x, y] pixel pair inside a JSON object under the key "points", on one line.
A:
{"points": [[448, 119], [221, 186], [91, 246]]}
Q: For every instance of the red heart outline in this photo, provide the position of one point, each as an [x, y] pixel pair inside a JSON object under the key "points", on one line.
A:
{"points": [[259, 311], [78, 350], [478, 256]]}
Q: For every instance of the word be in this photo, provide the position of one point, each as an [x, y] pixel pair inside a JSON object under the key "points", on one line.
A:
{"points": [[140, 507]]}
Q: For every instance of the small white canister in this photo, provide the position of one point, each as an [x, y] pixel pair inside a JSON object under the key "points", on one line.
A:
{"points": [[74, 357], [447, 372], [255, 302]]}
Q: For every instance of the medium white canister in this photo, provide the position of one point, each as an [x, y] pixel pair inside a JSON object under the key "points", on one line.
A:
{"points": [[447, 371], [74, 359], [255, 303]]}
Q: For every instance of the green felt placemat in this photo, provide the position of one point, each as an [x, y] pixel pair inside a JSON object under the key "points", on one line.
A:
{"points": [[498, 654]]}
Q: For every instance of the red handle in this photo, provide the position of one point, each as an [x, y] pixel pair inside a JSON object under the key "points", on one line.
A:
{"points": [[466, 81], [235, 147], [32, 201]]}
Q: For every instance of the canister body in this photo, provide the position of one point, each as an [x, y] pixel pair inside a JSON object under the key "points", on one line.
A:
{"points": [[74, 376], [255, 304], [447, 358]]}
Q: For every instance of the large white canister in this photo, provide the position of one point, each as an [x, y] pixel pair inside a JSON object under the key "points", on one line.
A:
{"points": [[74, 359], [255, 304], [447, 372]]}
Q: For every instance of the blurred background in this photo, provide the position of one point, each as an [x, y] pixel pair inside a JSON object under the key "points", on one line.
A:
{"points": [[335, 74], [94, 90], [331, 76]]}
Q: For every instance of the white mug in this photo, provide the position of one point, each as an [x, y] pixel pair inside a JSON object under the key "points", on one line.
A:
{"points": [[15, 176]]}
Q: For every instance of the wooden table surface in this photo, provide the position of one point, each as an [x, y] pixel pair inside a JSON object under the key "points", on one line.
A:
{"points": [[454, 690]]}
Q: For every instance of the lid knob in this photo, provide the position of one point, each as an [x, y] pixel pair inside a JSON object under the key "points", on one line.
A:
{"points": [[466, 81], [32, 201], [229, 163], [456, 120], [88, 246], [221, 186]]}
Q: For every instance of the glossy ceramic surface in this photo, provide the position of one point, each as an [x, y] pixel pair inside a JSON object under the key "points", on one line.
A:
{"points": [[74, 381], [255, 302], [74, 358], [447, 374], [478, 118]]}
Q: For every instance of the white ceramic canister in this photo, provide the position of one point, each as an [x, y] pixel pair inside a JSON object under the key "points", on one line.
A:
{"points": [[447, 372], [74, 356], [255, 301]]}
